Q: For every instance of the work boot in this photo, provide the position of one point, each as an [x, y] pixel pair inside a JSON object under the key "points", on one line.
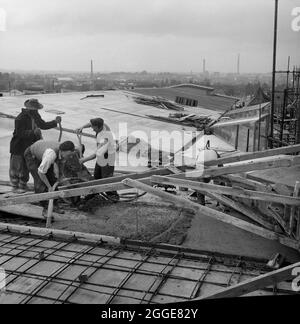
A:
{"points": [[24, 187], [15, 189]]}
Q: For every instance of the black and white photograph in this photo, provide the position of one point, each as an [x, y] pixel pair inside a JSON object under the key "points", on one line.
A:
{"points": [[149, 154]]}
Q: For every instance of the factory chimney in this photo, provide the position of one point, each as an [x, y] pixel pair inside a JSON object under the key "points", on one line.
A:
{"points": [[238, 64], [92, 70], [92, 76]]}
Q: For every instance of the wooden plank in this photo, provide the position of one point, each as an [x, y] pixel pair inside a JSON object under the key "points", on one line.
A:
{"points": [[14, 194], [162, 171], [8, 184], [283, 162], [83, 189], [223, 190], [5, 189], [173, 169], [268, 182], [236, 138], [255, 155], [282, 189], [254, 215], [270, 210], [251, 285], [293, 209], [298, 225], [24, 210], [249, 183], [65, 193], [59, 233], [200, 210]]}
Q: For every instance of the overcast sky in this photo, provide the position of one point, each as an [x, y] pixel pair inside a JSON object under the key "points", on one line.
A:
{"points": [[152, 35]]}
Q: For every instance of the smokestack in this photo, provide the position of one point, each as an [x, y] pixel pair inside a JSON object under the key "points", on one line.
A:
{"points": [[204, 67], [238, 64], [92, 70]]}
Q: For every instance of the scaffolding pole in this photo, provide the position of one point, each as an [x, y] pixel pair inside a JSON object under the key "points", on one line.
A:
{"points": [[273, 74]]}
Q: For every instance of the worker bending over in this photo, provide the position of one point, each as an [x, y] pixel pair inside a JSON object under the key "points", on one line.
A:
{"points": [[105, 154], [28, 125], [44, 160]]}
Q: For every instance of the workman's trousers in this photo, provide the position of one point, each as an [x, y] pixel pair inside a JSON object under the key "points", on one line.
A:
{"points": [[18, 172], [32, 165], [201, 196], [101, 172]]}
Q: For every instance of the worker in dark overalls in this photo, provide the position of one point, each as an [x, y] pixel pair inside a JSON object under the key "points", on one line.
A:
{"points": [[28, 125]]}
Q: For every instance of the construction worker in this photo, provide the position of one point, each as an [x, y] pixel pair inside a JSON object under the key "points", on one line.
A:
{"points": [[44, 160], [105, 153], [28, 125]]}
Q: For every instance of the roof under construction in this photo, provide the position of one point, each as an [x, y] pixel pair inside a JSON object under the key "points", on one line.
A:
{"points": [[160, 243], [43, 267]]}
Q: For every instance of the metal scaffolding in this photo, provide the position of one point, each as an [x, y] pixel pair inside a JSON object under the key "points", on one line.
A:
{"points": [[286, 118]]}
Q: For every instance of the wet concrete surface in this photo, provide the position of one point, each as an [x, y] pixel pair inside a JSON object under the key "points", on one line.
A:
{"points": [[204, 233]]}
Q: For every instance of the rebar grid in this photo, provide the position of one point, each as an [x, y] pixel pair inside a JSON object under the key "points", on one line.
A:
{"points": [[101, 262]]}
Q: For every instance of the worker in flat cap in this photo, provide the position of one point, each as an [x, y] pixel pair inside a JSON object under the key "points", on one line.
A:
{"points": [[105, 153], [28, 125], [45, 161]]}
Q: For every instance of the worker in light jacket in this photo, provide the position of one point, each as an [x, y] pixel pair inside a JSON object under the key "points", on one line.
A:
{"points": [[28, 125], [105, 153]]}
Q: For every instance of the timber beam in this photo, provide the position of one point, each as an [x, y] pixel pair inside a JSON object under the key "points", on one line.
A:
{"points": [[282, 162], [254, 155], [68, 193], [223, 190], [269, 279], [247, 211], [110, 180]]}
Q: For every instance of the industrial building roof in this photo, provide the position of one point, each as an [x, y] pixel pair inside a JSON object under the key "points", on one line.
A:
{"points": [[204, 95]]}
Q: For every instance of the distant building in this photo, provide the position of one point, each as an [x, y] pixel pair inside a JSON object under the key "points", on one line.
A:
{"points": [[192, 95], [65, 79], [15, 92]]}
